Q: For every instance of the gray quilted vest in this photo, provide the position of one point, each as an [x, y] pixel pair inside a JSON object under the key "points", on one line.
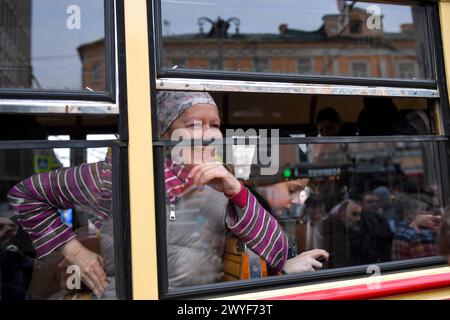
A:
{"points": [[196, 231]]}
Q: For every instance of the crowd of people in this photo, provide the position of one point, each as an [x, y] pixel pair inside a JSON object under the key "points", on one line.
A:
{"points": [[379, 227]]}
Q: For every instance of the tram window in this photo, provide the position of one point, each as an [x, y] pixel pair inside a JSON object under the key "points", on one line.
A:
{"points": [[38, 218], [364, 203], [352, 200], [322, 38], [299, 114], [53, 45]]}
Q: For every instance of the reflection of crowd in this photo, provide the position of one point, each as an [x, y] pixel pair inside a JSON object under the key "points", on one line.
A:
{"points": [[379, 227]]}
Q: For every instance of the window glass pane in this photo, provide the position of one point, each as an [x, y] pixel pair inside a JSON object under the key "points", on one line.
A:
{"points": [[364, 203], [97, 154], [46, 212], [281, 37], [63, 155], [52, 44], [311, 115]]}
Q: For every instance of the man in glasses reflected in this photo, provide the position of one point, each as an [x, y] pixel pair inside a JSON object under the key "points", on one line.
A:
{"points": [[341, 234]]}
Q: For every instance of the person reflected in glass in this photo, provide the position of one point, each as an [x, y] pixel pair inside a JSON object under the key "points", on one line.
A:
{"points": [[416, 236], [376, 235], [329, 124], [341, 233]]}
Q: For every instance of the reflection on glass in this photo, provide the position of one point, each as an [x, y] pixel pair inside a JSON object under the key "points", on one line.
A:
{"points": [[363, 203], [48, 212], [52, 44], [356, 39]]}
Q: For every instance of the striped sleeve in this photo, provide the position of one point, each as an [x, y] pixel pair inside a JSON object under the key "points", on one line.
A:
{"points": [[251, 223], [37, 199]]}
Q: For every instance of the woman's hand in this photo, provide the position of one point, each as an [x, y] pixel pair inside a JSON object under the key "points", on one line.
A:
{"points": [[90, 264], [216, 176], [306, 261]]}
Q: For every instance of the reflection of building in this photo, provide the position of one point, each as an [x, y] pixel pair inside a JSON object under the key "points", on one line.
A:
{"points": [[336, 48], [15, 44], [92, 56]]}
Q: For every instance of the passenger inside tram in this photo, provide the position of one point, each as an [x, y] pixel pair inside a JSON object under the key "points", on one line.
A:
{"points": [[357, 188], [205, 191], [201, 197], [328, 122]]}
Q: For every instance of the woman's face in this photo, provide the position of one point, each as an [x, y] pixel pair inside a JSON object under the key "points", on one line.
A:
{"points": [[281, 196], [200, 122]]}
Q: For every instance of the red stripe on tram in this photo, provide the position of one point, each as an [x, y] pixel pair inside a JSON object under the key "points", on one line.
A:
{"points": [[386, 288]]}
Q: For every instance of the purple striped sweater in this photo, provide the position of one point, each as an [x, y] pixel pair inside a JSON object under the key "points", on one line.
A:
{"points": [[245, 218], [37, 199]]}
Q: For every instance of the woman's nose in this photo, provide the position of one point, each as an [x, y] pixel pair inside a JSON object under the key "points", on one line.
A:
{"points": [[209, 133]]}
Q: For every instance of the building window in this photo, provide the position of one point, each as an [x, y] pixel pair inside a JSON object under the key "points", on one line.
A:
{"points": [[261, 65], [178, 63], [360, 69], [406, 70], [356, 27], [237, 36], [304, 66], [97, 72], [214, 64]]}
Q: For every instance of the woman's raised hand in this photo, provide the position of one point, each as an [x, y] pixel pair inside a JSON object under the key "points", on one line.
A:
{"points": [[216, 176]]}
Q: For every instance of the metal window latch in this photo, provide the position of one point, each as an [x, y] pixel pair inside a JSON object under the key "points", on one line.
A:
{"points": [[172, 216]]}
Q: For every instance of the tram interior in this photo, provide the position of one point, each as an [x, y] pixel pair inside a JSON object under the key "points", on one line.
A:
{"points": [[377, 176]]}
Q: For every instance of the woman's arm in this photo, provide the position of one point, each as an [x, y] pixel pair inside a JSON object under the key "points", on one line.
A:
{"points": [[246, 218], [37, 199], [260, 231]]}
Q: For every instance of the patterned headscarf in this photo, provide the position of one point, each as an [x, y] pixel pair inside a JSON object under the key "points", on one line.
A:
{"points": [[171, 104]]}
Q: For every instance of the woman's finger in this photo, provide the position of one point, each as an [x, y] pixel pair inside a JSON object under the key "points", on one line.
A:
{"points": [[100, 271], [87, 279], [201, 172], [101, 276], [315, 264], [97, 277], [210, 174], [320, 253], [194, 170]]}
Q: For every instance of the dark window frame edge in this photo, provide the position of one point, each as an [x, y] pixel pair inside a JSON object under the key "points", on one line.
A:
{"points": [[316, 140], [322, 276], [121, 225], [66, 144]]}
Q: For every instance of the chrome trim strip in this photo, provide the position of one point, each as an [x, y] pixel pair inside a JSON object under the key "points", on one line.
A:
{"points": [[57, 106], [290, 88]]}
